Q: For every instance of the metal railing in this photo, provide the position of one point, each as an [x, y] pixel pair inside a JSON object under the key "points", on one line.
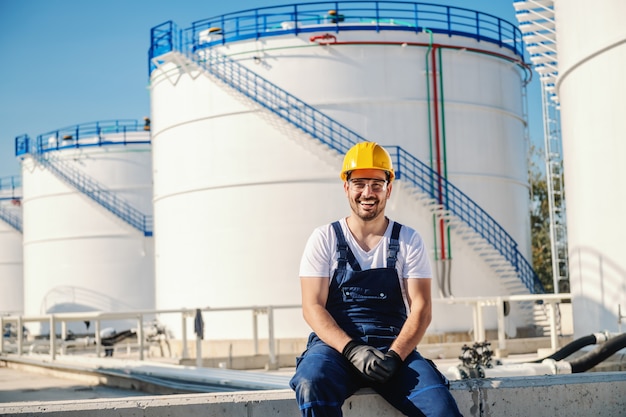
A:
{"points": [[478, 304], [101, 133], [11, 218], [85, 135], [340, 138], [10, 188], [414, 171], [339, 16], [55, 346]]}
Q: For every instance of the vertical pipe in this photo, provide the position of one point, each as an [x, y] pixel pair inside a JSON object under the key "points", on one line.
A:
{"points": [[98, 339], [63, 329], [1, 335], [140, 337], [444, 144], [273, 363], [479, 336], [554, 342], [477, 320], [430, 126], [198, 351], [438, 154], [255, 330], [501, 335], [53, 336], [185, 353], [20, 336], [63, 336]]}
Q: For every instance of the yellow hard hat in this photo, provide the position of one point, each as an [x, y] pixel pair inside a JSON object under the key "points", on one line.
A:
{"points": [[367, 155]]}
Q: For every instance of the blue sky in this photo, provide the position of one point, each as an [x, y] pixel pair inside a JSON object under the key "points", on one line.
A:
{"points": [[67, 62]]}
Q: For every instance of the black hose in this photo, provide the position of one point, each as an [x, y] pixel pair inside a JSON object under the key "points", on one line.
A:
{"points": [[570, 348], [117, 337], [599, 354]]}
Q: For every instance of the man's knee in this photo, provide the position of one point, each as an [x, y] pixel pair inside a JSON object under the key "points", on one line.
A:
{"points": [[307, 383], [436, 402]]}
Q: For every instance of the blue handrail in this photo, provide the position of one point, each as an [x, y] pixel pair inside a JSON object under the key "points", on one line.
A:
{"points": [[358, 15], [12, 219], [10, 187], [416, 172], [77, 179], [87, 135], [339, 16], [341, 138]]}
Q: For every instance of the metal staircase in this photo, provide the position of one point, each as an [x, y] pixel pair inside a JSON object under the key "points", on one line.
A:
{"points": [[11, 218], [468, 221], [9, 192], [87, 185], [537, 23], [463, 215]]}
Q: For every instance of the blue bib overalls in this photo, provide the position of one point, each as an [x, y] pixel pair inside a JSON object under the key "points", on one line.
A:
{"points": [[368, 305]]}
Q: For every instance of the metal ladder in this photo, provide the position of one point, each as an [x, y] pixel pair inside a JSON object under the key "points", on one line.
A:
{"points": [[537, 22]]}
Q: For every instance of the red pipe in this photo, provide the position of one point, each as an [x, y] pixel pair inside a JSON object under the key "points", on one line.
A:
{"points": [[435, 46], [438, 147], [324, 37]]}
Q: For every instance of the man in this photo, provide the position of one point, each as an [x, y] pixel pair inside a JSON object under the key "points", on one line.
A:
{"points": [[366, 283]]}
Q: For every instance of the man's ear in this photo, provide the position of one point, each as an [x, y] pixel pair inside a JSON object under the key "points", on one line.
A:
{"points": [[389, 187]]}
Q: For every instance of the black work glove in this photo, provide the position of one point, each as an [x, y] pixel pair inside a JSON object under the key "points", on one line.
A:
{"points": [[391, 363], [367, 360]]}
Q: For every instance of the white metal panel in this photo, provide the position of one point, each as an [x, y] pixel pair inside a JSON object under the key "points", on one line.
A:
{"points": [[11, 267], [78, 256], [591, 89]]}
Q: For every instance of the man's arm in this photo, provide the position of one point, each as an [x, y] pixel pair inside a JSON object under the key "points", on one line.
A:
{"points": [[420, 304], [314, 297]]}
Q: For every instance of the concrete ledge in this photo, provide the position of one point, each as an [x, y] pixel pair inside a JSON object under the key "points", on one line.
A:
{"points": [[595, 394]]}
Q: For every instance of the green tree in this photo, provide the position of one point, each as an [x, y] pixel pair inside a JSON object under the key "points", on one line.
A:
{"points": [[540, 221]]}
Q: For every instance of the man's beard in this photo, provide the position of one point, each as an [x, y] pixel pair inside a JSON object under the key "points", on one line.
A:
{"points": [[367, 214]]}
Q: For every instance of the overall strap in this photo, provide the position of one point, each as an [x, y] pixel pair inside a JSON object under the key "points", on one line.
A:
{"points": [[345, 253], [394, 245]]}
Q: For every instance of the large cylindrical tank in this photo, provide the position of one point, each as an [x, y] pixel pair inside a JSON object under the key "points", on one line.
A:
{"points": [[238, 191], [79, 256], [591, 87], [11, 259]]}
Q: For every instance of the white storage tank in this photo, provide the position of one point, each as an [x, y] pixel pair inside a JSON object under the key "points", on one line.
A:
{"points": [[11, 259], [591, 87], [78, 255], [238, 190]]}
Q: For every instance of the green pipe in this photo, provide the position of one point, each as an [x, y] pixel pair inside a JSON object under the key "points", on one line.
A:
{"points": [[430, 128], [443, 141]]}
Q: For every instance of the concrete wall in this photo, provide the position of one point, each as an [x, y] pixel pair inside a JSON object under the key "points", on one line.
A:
{"points": [[591, 394]]}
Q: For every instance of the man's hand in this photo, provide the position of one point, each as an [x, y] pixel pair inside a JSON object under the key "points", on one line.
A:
{"points": [[370, 362], [391, 363]]}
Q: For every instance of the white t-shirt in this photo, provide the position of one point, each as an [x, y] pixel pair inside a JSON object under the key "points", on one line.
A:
{"points": [[320, 254]]}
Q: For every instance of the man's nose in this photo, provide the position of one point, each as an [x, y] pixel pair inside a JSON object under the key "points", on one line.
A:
{"points": [[367, 190]]}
